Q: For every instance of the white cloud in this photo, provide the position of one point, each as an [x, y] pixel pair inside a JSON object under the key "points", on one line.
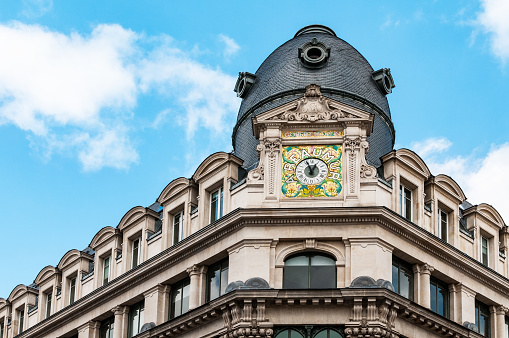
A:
{"points": [[78, 93], [231, 47], [493, 20], [481, 178], [36, 8], [431, 146]]}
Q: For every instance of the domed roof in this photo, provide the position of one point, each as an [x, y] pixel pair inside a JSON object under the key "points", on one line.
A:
{"points": [[345, 75]]}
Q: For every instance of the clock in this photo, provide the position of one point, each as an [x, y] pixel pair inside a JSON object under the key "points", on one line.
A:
{"points": [[311, 171]]}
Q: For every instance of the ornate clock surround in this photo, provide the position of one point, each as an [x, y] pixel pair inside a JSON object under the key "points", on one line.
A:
{"points": [[312, 125]]}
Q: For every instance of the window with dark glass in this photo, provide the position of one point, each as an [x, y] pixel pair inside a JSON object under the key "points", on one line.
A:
{"points": [[309, 271], [216, 205], [49, 296], [72, 290], [405, 197], [136, 252], [484, 250], [178, 227], [21, 322], [135, 319], [482, 318], [439, 297], [506, 327], [179, 298], [443, 227], [328, 333], [106, 270], [106, 330], [402, 278], [217, 279], [2, 329], [289, 333]]}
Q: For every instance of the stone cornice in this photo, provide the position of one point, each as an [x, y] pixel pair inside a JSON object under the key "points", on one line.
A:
{"points": [[241, 218]]}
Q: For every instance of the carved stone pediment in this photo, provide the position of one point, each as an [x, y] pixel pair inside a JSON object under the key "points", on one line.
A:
{"points": [[312, 109]]}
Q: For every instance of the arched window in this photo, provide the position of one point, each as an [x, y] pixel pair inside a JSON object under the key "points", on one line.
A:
{"points": [[328, 333], [289, 334], [309, 271]]}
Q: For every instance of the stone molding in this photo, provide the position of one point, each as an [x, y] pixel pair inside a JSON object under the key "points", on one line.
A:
{"points": [[305, 247]]}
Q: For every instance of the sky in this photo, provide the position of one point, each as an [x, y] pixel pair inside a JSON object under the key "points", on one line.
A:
{"points": [[103, 103]]}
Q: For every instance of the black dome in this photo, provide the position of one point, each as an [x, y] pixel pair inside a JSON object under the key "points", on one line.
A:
{"points": [[346, 76]]}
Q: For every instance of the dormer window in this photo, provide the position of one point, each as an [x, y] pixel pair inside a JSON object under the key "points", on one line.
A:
{"points": [[106, 270], [405, 198], [49, 296], [216, 205], [136, 253], [72, 290], [178, 227], [21, 320], [484, 250], [443, 225]]}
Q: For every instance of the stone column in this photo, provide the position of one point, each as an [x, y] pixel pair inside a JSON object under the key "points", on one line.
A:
{"points": [[197, 275], [467, 304], [120, 325], [454, 303], [425, 298], [416, 269], [500, 312], [155, 301]]}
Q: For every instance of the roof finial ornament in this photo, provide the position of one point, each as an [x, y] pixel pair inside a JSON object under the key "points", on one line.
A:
{"points": [[313, 90]]}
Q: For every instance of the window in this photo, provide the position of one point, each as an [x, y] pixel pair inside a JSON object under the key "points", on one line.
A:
{"points": [[439, 293], [506, 328], [443, 227], [106, 330], [21, 316], [482, 318], [289, 334], [402, 278], [136, 252], [1, 329], [49, 296], [216, 205], [178, 227], [405, 196], [106, 270], [328, 333], [72, 290], [310, 271], [179, 298], [484, 250], [135, 319], [217, 280]]}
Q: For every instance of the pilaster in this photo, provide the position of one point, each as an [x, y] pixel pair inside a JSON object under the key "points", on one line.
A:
{"points": [[197, 276], [155, 304]]}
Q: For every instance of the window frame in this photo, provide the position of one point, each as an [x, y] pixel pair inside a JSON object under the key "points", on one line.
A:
{"points": [[108, 325], [483, 311], [441, 234], [309, 256], [21, 320], [487, 255], [72, 290], [446, 303], [180, 286], [402, 265], [49, 296], [178, 235], [224, 265], [406, 208], [216, 205], [106, 269], [135, 263], [140, 306]]}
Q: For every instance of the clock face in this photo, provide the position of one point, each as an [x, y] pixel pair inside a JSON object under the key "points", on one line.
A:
{"points": [[311, 171]]}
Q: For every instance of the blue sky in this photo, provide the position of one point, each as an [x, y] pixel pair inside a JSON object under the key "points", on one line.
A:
{"points": [[102, 103]]}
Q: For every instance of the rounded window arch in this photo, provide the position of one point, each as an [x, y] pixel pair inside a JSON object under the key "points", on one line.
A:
{"points": [[328, 333], [289, 333], [309, 271]]}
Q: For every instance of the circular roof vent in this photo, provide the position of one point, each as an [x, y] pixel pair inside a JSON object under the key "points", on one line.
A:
{"points": [[314, 54]]}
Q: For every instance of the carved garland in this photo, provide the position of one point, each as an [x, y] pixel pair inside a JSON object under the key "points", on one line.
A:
{"points": [[272, 146], [351, 145]]}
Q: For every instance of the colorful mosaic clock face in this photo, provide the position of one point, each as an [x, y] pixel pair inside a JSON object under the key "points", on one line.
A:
{"points": [[312, 171]]}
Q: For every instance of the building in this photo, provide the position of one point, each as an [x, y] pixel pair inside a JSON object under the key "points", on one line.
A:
{"points": [[314, 227]]}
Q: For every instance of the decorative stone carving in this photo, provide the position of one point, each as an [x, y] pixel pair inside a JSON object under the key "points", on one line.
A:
{"points": [[471, 326], [244, 321], [369, 319], [271, 145], [251, 283], [256, 174], [272, 148], [313, 107]]}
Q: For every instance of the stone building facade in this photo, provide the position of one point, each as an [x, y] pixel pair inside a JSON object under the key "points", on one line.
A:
{"points": [[315, 227]]}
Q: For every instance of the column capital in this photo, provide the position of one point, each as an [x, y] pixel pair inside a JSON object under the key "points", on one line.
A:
{"points": [[426, 269], [501, 310], [120, 310], [159, 288], [88, 326], [196, 270]]}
